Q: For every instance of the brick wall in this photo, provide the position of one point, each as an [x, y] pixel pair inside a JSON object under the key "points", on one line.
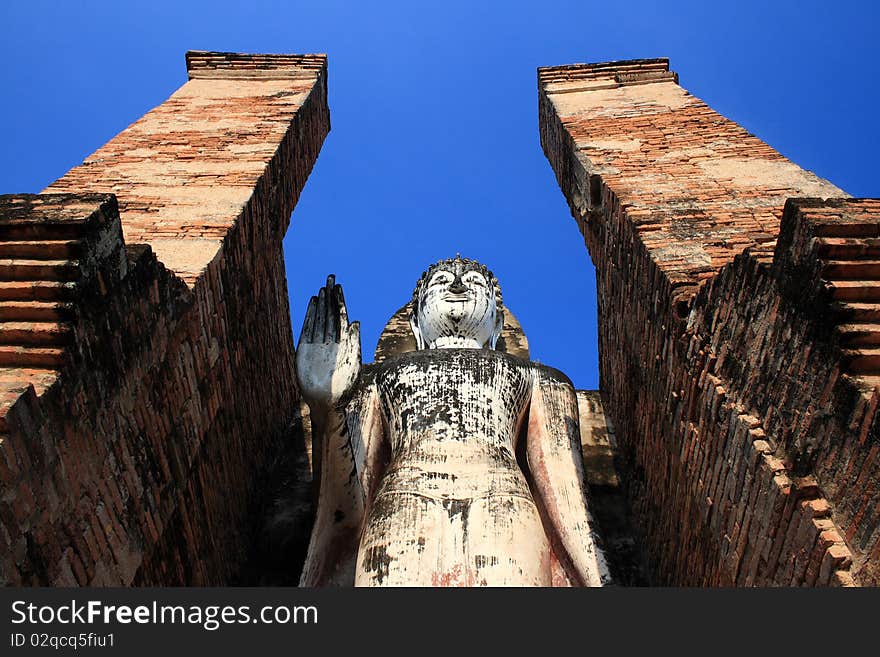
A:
{"points": [[133, 453], [738, 372]]}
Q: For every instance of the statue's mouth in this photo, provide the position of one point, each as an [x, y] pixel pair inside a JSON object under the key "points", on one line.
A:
{"points": [[455, 297]]}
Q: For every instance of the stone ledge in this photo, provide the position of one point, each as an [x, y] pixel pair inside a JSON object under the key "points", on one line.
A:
{"points": [[202, 64], [86, 210], [559, 79]]}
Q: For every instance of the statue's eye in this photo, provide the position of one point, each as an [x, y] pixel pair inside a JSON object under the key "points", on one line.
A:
{"points": [[476, 279], [441, 279]]}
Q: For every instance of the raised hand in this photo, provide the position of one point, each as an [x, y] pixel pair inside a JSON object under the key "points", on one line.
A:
{"points": [[328, 358]]}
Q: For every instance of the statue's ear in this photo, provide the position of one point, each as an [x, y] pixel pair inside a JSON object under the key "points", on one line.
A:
{"points": [[414, 325], [499, 326]]}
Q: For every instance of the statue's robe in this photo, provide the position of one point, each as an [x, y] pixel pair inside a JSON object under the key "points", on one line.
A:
{"points": [[445, 470]]}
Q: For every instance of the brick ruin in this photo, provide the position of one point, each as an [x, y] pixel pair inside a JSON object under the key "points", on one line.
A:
{"points": [[146, 350], [738, 332]]}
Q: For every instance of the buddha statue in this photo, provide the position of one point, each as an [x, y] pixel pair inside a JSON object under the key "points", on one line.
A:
{"points": [[454, 464]]}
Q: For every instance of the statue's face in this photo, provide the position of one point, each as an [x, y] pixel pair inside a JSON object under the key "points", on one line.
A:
{"points": [[457, 309]]}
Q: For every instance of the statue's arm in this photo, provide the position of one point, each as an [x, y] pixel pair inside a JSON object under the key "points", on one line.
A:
{"points": [[329, 373], [351, 443], [554, 456]]}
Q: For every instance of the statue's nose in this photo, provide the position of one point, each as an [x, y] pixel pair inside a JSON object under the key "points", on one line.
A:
{"points": [[457, 287]]}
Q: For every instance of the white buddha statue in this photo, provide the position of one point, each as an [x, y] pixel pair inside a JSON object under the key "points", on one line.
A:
{"points": [[451, 465]]}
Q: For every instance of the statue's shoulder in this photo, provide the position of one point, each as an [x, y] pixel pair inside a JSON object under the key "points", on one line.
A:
{"points": [[549, 374]]}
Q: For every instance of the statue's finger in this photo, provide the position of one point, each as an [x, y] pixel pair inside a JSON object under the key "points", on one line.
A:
{"points": [[332, 325], [332, 310], [332, 317], [321, 317], [308, 329], [343, 311]]}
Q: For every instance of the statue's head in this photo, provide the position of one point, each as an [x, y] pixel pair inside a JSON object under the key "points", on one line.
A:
{"points": [[457, 303]]}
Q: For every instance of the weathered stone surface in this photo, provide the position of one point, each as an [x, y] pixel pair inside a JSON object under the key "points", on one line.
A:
{"points": [[740, 382], [135, 456]]}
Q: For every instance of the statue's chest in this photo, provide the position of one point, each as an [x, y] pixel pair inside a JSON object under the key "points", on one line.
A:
{"points": [[453, 393]]}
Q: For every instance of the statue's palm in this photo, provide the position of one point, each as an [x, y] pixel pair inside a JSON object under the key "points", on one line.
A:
{"points": [[328, 358]]}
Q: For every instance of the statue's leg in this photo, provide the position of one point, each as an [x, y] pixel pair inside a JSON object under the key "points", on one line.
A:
{"points": [[407, 540], [507, 544], [412, 540]]}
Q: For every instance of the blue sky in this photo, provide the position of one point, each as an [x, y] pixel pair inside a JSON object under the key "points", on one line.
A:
{"points": [[434, 145]]}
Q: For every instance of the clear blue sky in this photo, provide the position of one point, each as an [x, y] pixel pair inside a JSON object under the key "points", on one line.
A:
{"points": [[434, 144]]}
